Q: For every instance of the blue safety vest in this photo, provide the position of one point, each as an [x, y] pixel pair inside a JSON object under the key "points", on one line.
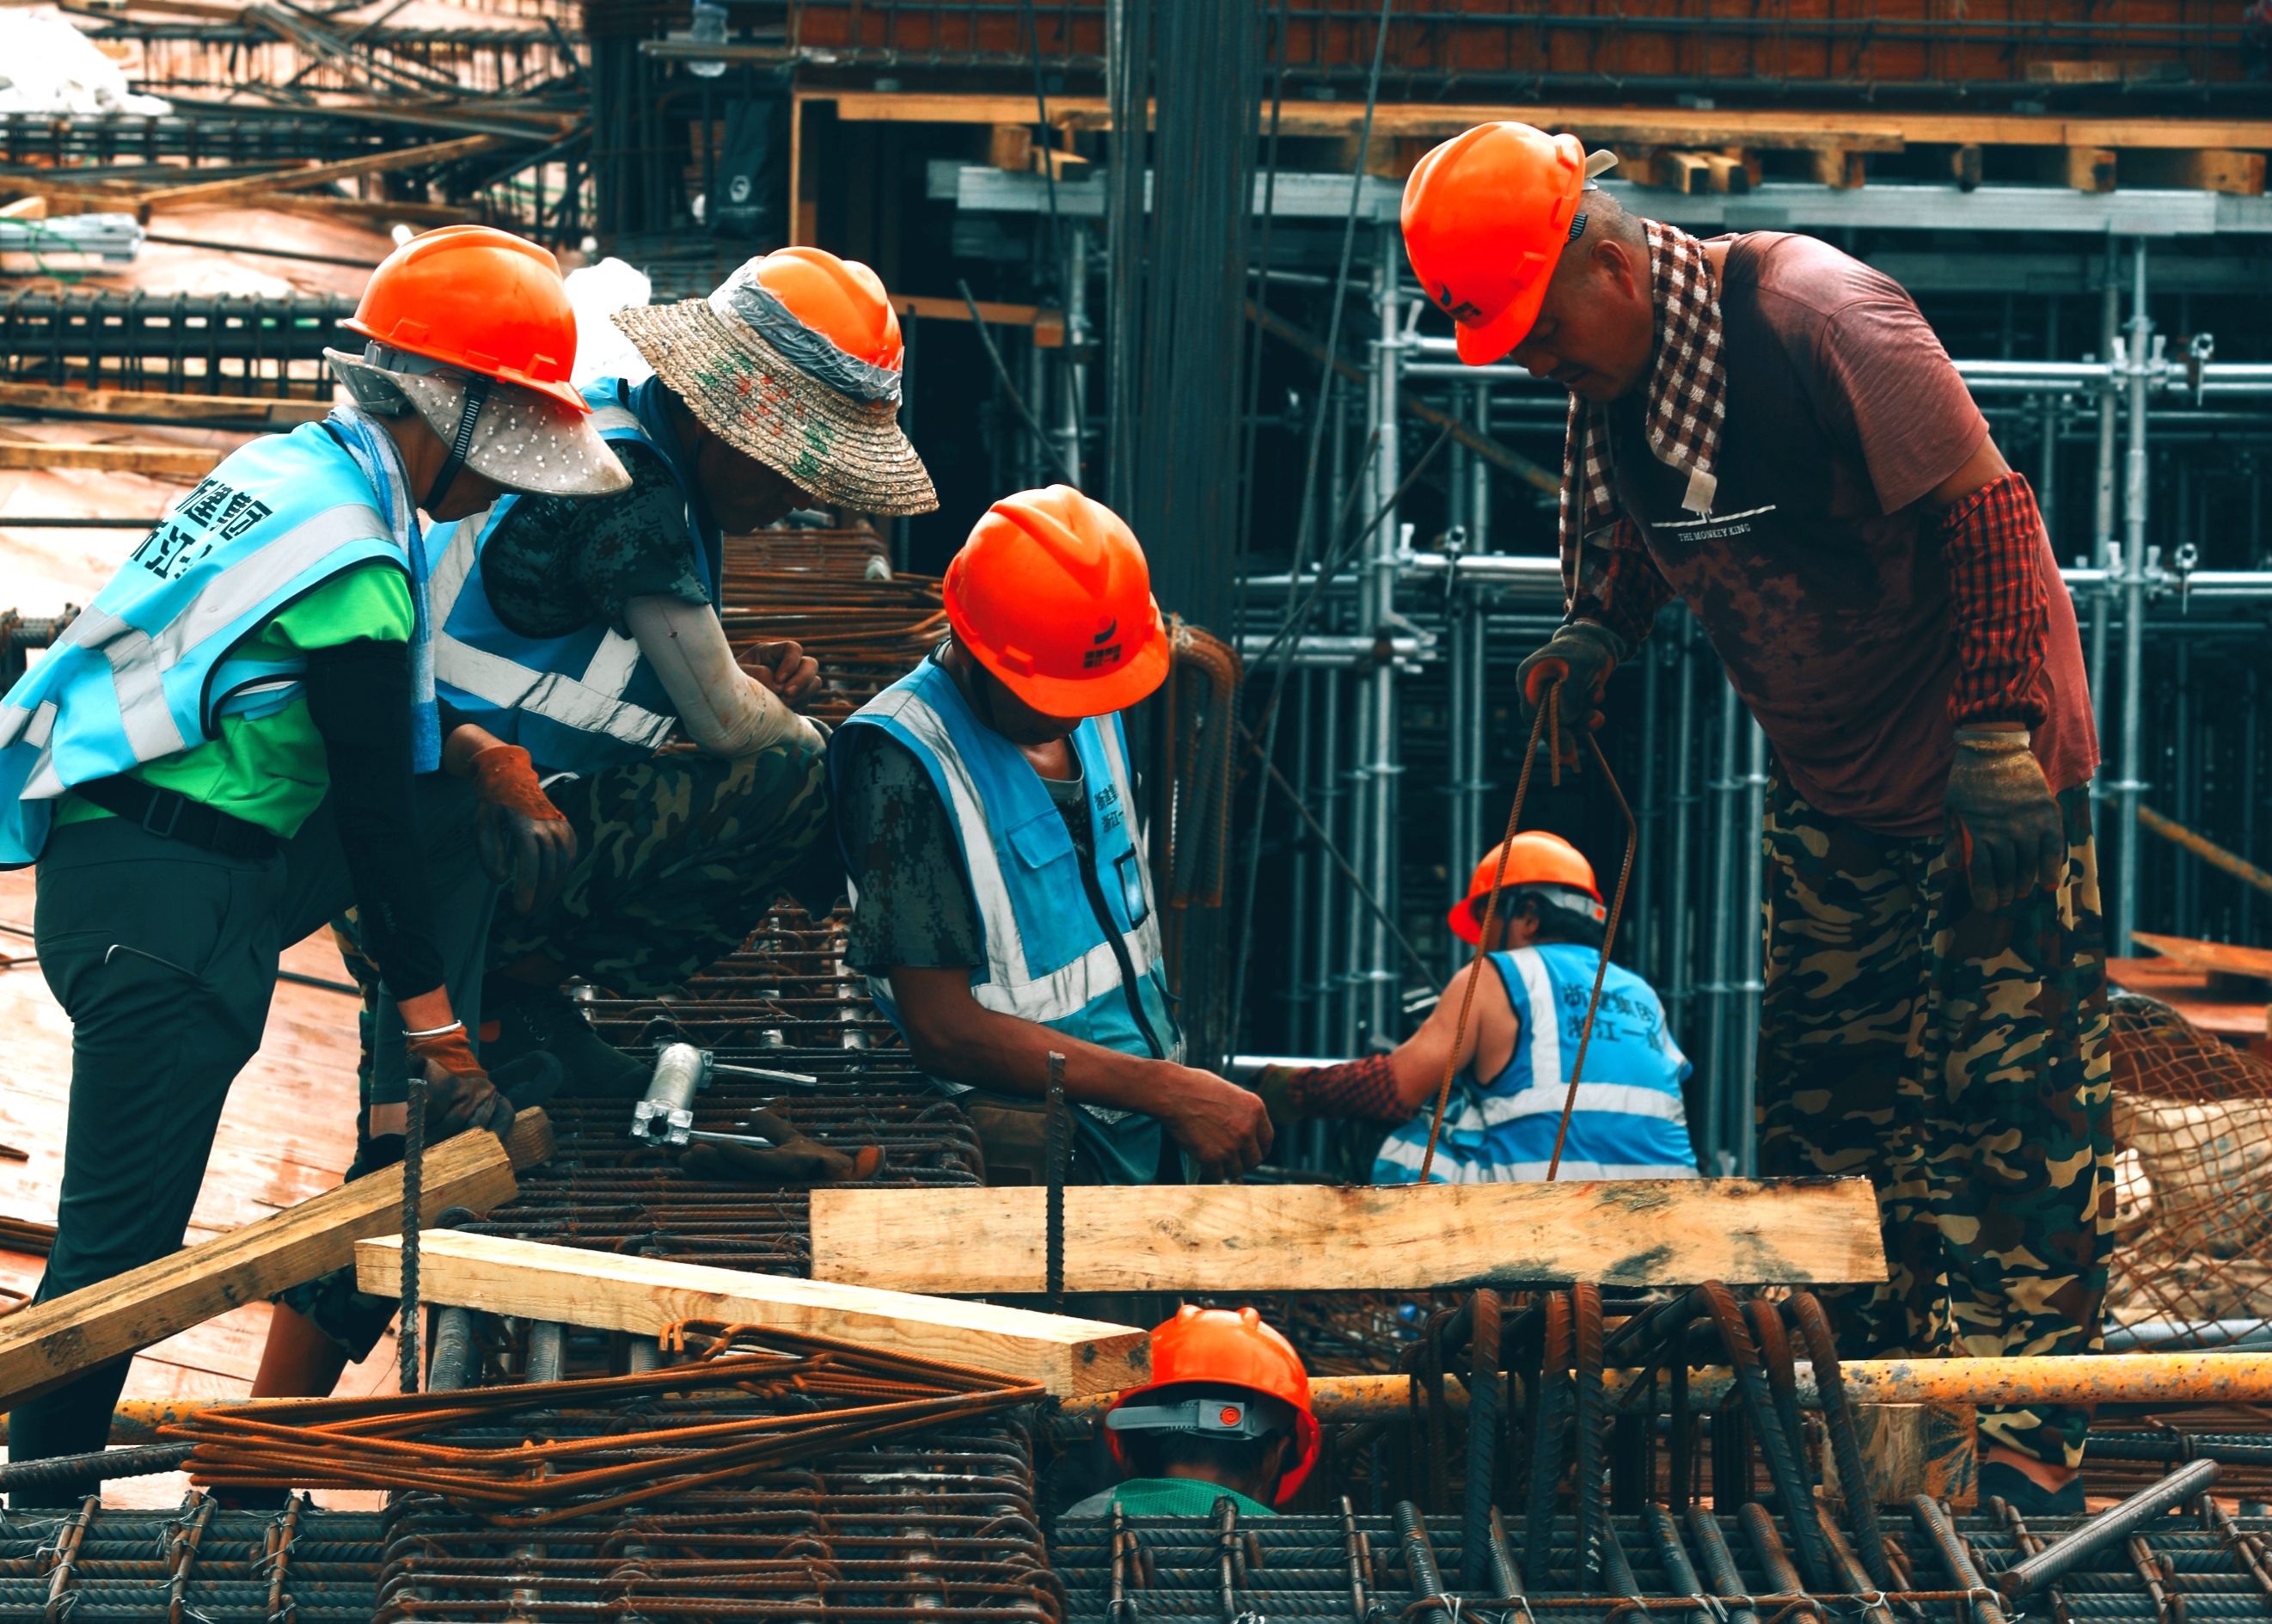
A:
{"points": [[148, 668], [586, 701], [1048, 959], [1628, 1122]]}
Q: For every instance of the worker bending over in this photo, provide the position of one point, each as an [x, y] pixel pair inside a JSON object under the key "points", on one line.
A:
{"points": [[1227, 1413], [586, 634], [1767, 428], [220, 754], [1523, 1031], [1002, 899]]}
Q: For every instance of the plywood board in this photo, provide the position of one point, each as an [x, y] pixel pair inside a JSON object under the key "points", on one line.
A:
{"points": [[1315, 1238], [644, 1295], [2217, 958]]}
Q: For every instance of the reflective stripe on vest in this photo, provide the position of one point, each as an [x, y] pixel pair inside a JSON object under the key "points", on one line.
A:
{"points": [[587, 699], [1630, 1124], [146, 670], [1047, 960]]}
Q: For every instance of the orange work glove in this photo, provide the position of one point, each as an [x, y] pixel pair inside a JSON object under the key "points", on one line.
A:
{"points": [[525, 840], [460, 1094]]}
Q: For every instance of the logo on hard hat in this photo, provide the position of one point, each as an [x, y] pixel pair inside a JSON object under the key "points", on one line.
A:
{"points": [[1463, 312], [1096, 657], [1110, 626]]}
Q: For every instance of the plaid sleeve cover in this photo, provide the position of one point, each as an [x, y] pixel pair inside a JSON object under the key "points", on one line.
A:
{"points": [[1991, 544], [1618, 584]]}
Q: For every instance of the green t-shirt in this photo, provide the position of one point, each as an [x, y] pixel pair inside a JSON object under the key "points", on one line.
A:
{"points": [[271, 770], [1166, 1497]]}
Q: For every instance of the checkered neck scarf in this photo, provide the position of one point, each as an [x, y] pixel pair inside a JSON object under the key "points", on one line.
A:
{"points": [[1687, 395]]}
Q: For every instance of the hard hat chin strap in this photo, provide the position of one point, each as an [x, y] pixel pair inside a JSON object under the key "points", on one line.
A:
{"points": [[469, 415]]}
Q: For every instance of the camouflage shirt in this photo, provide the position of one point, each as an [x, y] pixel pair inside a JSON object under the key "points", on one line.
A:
{"points": [[558, 563]]}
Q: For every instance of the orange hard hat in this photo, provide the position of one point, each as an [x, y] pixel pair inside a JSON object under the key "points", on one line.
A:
{"points": [[841, 300], [1220, 1348], [1052, 594], [1486, 216], [478, 299], [1534, 857]]}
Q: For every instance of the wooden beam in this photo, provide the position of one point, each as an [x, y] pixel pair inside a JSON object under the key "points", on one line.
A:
{"points": [[1727, 171], [1681, 172], [2074, 72], [185, 408], [2086, 169], [212, 194], [1964, 167], [166, 461], [1841, 169], [2212, 170], [43, 1346], [1316, 1238], [1048, 325], [643, 1295]]}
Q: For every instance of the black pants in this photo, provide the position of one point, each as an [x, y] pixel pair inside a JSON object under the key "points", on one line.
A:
{"points": [[159, 1033]]}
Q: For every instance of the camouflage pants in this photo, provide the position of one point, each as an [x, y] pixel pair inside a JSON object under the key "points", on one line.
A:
{"points": [[1957, 1059], [678, 860]]}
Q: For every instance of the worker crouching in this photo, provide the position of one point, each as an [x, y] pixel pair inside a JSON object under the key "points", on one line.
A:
{"points": [[1227, 1413], [1523, 1030], [1002, 899]]}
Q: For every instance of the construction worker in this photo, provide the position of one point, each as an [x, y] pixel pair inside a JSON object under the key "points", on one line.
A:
{"points": [[1227, 1413], [1523, 1029], [1767, 428], [1002, 900], [588, 634], [578, 635], [227, 748]]}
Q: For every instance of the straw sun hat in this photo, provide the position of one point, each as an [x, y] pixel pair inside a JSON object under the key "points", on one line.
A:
{"points": [[777, 390]]}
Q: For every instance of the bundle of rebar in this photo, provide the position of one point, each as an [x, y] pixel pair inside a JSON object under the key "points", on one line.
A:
{"points": [[198, 1562], [181, 343], [866, 634], [756, 1399], [937, 1527]]}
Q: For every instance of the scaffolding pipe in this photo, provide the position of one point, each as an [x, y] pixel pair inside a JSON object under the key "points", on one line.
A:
{"points": [[1684, 801], [1072, 383], [2134, 628], [1380, 1003], [1718, 1151], [2102, 553], [1298, 920], [1322, 952], [1755, 986]]}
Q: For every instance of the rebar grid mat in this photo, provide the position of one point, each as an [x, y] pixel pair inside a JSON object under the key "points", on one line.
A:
{"points": [[1691, 1567], [198, 1562], [220, 344], [754, 1399], [937, 1527], [2192, 1134]]}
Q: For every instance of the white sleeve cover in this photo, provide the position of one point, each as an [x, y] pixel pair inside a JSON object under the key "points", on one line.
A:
{"points": [[725, 710]]}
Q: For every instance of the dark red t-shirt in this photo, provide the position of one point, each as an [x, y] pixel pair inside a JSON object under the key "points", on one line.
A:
{"points": [[1819, 578]]}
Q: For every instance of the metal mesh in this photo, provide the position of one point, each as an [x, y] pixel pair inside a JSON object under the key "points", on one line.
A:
{"points": [[2193, 1131]]}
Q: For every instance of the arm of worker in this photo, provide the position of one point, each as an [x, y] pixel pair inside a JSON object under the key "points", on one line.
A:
{"points": [[951, 1035], [1389, 1087], [526, 843], [359, 698], [726, 710]]}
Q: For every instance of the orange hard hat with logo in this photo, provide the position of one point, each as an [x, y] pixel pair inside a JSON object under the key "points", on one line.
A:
{"points": [[1203, 1349], [1486, 216], [841, 300], [478, 299], [1534, 857], [1052, 594]]}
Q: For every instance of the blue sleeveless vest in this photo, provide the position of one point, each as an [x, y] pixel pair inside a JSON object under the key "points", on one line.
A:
{"points": [[586, 701], [1628, 1122], [1048, 960], [147, 670]]}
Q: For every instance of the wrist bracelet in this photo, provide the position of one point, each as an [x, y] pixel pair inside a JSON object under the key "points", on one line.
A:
{"points": [[438, 1031]]}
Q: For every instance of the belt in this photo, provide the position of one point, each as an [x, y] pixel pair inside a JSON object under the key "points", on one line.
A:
{"points": [[170, 815]]}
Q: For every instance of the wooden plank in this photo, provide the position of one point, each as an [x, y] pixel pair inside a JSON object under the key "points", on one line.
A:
{"points": [[185, 408], [643, 1295], [1682, 172], [212, 194], [1011, 146], [2209, 169], [1726, 172], [1317, 1237], [45, 1345], [2219, 958], [1048, 325], [178, 461]]}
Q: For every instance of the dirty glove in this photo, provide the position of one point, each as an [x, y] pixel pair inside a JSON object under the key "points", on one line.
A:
{"points": [[792, 1159], [460, 1094], [1580, 654], [2005, 831], [524, 840], [1363, 1090]]}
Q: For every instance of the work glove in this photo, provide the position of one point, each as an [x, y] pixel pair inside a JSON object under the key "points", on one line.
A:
{"points": [[2004, 830], [1275, 1085], [459, 1093], [792, 1159], [524, 840], [1580, 654]]}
